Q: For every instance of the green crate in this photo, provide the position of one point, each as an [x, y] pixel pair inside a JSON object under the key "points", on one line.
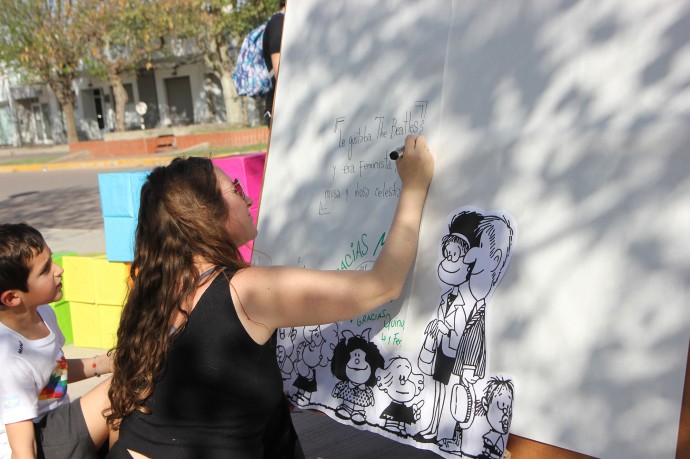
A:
{"points": [[64, 319]]}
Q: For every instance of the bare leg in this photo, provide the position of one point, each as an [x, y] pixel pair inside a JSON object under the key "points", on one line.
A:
{"points": [[92, 406]]}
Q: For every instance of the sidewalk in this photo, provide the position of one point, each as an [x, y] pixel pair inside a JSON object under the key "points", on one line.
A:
{"points": [[58, 157], [134, 148]]}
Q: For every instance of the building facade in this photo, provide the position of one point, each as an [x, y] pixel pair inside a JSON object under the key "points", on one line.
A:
{"points": [[179, 92]]}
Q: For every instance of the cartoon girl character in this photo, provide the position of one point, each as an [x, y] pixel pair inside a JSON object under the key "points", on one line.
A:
{"points": [[284, 362], [402, 385], [284, 350], [355, 362], [310, 355]]}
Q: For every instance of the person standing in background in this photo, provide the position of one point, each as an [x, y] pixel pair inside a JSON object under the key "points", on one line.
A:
{"points": [[271, 50]]}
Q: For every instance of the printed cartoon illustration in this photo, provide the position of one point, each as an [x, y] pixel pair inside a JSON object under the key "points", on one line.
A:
{"points": [[486, 264], [497, 406], [284, 351], [402, 386], [442, 334], [433, 384], [312, 353], [355, 361]]}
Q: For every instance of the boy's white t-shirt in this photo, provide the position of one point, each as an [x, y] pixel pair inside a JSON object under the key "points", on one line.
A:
{"points": [[34, 375]]}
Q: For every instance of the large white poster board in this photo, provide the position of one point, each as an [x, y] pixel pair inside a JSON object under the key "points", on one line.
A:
{"points": [[571, 120]]}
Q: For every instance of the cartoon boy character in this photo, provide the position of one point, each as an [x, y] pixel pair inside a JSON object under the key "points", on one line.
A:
{"points": [[311, 353], [402, 385], [355, 362], [442, 334], [497, 406]]}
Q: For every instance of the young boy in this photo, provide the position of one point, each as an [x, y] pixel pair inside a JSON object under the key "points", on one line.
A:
{"points": [[37, 418]]}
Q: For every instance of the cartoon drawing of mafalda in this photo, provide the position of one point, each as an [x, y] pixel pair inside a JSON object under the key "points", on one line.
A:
{"points": [[497, 406], [355, 362], [285, 350], [442, 334], [486, 264], [312, 353], [402, 386]]}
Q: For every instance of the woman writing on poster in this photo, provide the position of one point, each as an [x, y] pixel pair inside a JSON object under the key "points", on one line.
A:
{"points": [[195, 371]]}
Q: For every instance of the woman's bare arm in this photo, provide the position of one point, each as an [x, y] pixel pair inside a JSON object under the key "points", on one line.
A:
{"points": [[287, 296]]}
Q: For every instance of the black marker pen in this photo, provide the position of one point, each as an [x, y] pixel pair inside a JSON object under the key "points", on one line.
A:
{"points": [[397, 153]]}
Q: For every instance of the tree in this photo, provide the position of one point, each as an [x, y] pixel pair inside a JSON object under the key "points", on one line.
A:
{"points": [[42, 39], [222, 25], [125, 34]]}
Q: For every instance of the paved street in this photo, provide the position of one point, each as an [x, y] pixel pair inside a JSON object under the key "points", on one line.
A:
{"points": [[64, 205]]}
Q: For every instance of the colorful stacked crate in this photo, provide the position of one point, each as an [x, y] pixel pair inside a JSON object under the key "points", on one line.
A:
{"points": [[61, 308], [249, 170], [95, 290], [111, 288], [120, 194]]}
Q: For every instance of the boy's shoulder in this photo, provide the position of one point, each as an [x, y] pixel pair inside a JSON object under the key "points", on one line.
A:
{"points": [[11, 344], [11, 341]]}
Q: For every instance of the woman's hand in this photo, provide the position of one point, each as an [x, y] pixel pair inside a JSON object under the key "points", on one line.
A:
{"points": [[416, 166]]}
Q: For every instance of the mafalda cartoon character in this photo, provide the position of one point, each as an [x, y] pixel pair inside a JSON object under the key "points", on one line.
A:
{"points": [[402, 385], [355, 361], [311, 354]]}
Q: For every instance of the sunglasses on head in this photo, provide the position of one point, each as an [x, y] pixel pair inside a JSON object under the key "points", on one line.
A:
{"points": [[239, 191]]}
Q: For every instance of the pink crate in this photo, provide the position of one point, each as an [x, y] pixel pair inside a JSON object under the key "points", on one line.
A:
{"points": [[249, 170]]}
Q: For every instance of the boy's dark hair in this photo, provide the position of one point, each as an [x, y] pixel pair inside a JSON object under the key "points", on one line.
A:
{"points": [[19, 243]]}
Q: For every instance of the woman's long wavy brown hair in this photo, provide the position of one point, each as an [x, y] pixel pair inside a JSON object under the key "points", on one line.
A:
{"points": [[182, 215]]}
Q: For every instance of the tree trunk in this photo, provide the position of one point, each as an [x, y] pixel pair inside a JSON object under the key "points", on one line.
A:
{"points": [[121, 97], [66, 100], [233, 107], [70, 122], [223, 68]]}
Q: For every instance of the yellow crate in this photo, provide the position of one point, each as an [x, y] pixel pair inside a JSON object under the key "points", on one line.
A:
{"points": [[78, 279], [86, 328], [111, 281], [109, 319]]}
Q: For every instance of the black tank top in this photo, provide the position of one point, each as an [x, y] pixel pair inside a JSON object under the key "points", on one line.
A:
{"points": [[217, 393]]}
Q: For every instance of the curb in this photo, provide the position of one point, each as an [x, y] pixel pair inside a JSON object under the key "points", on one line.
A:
{"points": [[123, 162], [90, 164]]}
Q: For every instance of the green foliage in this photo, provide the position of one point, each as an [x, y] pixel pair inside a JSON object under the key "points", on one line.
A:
{"points": [[232, 19], [47, 38], [44, 40], [127, 33], [41, 38], [53, 40]]}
